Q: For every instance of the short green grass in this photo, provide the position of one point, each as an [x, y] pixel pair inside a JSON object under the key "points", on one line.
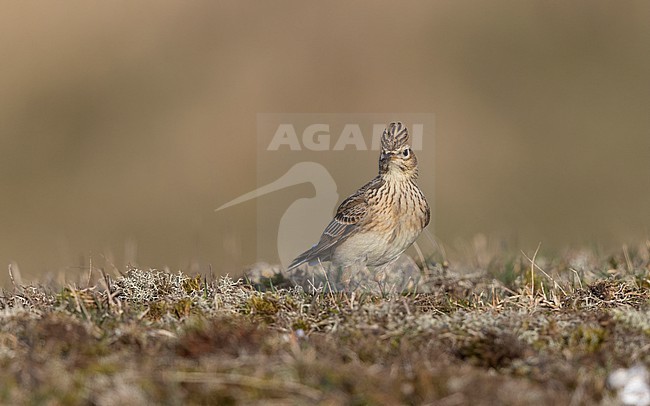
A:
{"points": [[514, 329]]}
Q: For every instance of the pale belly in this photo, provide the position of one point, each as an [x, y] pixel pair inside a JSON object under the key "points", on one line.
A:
{"points": [[378, 247]]}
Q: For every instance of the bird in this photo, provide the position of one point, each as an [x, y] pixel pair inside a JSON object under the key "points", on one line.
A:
{"points": [[378, 222]]}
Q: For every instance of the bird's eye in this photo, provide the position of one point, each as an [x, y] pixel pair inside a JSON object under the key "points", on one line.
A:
{"points": [[406, 152]]}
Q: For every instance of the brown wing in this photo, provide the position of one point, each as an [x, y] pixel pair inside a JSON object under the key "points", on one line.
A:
{"points": [[353, 210]]}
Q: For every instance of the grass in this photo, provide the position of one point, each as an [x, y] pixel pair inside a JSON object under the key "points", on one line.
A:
{"points": [[497, 328]]}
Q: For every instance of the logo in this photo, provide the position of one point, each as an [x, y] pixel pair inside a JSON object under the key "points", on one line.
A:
{"points": [[318, 137]]}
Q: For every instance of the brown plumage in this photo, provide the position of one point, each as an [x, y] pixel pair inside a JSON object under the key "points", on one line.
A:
{"points": [[380, 220]]}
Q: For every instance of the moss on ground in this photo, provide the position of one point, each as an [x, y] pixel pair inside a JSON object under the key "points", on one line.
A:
{"points": [[499, 330]]}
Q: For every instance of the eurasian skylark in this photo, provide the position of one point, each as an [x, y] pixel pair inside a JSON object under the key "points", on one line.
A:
{"points": [[381, 220]]}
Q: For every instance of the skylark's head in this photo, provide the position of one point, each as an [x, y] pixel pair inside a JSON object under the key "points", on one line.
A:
{"points": [[397, 157]]}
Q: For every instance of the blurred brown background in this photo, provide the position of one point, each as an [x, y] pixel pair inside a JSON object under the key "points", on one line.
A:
{"points": [[122, 123]]}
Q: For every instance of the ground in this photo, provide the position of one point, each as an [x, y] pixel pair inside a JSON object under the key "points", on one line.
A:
{"points": [[512, 329]]}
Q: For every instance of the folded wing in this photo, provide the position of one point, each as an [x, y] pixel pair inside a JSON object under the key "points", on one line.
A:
{"points": [[350, 213]]}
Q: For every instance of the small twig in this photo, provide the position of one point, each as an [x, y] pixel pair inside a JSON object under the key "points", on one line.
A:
{"points": [[532, 261], [107, 284], [90, 271], [435, 242], [532, 270], [577, 276], [627, 258], [419, 251], [79, 303], [118, 273], [327, 279], [11, 276], [351, 301]]}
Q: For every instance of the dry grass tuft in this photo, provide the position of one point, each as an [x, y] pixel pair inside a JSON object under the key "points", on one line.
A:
{"points": [[504, 329]]}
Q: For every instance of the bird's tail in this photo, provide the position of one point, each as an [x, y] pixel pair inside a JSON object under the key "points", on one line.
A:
{"points": [[313, 256], [300, 259]]}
